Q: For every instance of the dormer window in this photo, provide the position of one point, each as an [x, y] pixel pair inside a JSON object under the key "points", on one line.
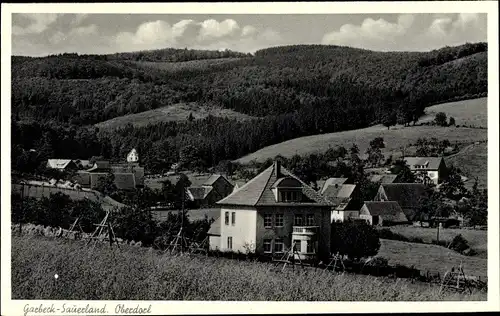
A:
{"points": [[287, 189], [289, 195]]}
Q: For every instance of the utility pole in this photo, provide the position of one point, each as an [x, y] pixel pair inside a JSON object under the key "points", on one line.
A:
{"points": [[438, 224]]}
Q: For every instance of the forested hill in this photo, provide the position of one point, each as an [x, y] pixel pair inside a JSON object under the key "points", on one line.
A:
{"points": [[298, 90]]}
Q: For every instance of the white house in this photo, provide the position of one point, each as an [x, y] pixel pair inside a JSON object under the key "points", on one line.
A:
{"points": [[272, 212], [427, 168], [133, 156]]}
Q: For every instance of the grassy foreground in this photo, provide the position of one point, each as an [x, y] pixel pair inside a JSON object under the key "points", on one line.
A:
{"points": [[141, 274]]}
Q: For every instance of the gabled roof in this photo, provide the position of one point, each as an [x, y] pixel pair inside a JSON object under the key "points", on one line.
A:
{"points": [[389, 210], [99, 165], [214, 228], [384, 178], [124, 181], [406, 194], [332, 181], [58, 163], [198, 193], [258, 191], [213, 178], [429, 163]]}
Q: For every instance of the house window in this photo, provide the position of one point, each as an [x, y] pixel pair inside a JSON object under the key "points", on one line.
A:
{"points": [[290, 196], [310, 220], [268, 220], [299, 220], [296, 245], [279, 220], [233, 218], [278, 245], [267, 245], [230, 243], [227, 218], [310, 246]]}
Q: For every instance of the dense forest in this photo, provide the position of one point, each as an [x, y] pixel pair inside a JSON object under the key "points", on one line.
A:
{"points": [[292, 91]]}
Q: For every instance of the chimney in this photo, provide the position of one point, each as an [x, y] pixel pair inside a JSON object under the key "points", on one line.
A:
{"points": [[277, 167]]}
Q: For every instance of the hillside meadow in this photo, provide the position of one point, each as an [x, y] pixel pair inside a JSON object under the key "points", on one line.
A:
{"points": [[175, 112], [473, 162], [394, 139], [431, 258], [131, 273], [472, 112], [477, 239]]}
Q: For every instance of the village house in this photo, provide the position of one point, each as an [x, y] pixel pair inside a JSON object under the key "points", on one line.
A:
{"points": [[62, 164], [384, 178], [127, 176], [427, 169], [272, 212], [407, 195], [212, 190], [382, 213], [214, 235], [343, 198]]}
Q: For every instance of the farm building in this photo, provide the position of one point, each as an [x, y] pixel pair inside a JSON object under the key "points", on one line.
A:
{"points": [[61, 164], [431, 169], [331, 181], [382, 213], [209, 192], [407, 195], [273, 211], [126, 176], [214, 235], [384, 178], [343, 197]]}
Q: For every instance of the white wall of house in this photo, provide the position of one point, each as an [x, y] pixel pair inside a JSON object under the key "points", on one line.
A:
{"points": [[343, 215], [242, 232], [214, 242], [366, 217]]}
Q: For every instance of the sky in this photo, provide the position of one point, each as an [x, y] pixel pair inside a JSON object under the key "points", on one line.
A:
{"points": [[40, 34]]}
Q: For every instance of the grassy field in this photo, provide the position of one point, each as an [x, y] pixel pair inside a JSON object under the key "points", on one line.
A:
{"points": [[468, 112], [394, 139], [430, 257], [477, 239], [141, 274], [473, 161], [176, 112]]}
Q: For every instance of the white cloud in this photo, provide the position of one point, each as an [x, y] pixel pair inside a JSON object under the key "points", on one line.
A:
{"points": [[208, 34], [75, 35], [371, 34], [451, 31], [406, 35], [212, 29], [78, 19], [39, 22]]}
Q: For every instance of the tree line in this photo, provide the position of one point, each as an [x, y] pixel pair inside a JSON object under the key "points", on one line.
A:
{"points": [[291, 91]]}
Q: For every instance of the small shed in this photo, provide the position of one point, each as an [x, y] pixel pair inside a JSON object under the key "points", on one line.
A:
{"points": [[383, 213]]}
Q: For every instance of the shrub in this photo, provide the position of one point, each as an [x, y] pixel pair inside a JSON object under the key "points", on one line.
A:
{"points": [[440, 119], [355, 240], [459, 244], [452, 121]]}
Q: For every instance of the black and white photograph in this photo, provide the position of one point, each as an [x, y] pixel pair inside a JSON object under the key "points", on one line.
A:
{"points": [[337, 155]]}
